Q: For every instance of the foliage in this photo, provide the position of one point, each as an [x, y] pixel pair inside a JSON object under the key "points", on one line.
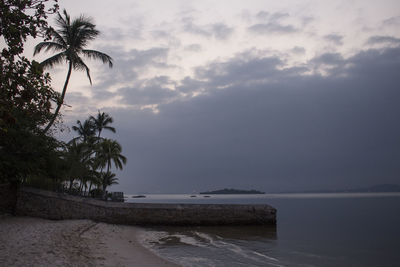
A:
{"points": [[27, 154], [89, 154], [25, 94], [108, 152], [102, 121]]}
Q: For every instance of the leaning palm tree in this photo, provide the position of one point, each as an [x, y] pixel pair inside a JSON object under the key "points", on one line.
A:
{"points": [[70, 40], [102, 121]]}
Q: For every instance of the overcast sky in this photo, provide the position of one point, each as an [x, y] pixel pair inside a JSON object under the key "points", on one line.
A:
{"points": [[267, 95]]}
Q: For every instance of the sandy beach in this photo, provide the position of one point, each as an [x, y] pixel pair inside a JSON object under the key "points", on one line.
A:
{"points": [[26, 241]]}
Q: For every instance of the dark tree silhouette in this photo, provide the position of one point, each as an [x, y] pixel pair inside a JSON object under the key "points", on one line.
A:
{"points": [[102, 121], [70, 40], [85, 130]]}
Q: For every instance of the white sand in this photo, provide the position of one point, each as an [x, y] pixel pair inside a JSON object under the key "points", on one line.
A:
{"points": [[26, 241]]}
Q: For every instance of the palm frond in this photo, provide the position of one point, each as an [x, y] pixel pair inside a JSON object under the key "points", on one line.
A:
{"points": [[61, 21], [58, 38], [47, 46], [112, 129], [82, 30], [54, 60], [80, 65], [93, 54], [123, 158], [64, 26]]}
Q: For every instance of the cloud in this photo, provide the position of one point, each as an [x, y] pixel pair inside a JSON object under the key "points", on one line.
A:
{"points": [[148, 92], [155, 56], [115, 35], [383, 40], [298, 50], [267, 16], [272, 23], [191, 86], [128, 65], [159, 34], [243, 68], [334, 38], [193, 48], [219, 31], [272, 27], [290, 131], [392, 21], [333, 59]]}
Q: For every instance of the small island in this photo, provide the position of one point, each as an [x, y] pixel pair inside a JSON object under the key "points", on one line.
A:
{"points": [[231, 192]]}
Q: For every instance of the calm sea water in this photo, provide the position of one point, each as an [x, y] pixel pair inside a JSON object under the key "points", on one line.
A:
{"points": [[312, 230]]}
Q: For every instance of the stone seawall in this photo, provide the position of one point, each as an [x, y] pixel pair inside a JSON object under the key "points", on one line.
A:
{"points": [[8, 198], [58, 206]]}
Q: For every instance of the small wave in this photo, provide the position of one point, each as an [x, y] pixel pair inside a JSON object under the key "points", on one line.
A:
{"points": [[205, 237], [265, 256], [189, 240], [275, 261]]}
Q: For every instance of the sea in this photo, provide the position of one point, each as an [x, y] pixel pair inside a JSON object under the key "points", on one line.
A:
{"points": [[327, 229]]}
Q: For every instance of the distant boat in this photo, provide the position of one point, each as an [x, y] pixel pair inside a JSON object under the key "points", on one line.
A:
{"points": [[206, 196], [139, 196], [193, 196]]}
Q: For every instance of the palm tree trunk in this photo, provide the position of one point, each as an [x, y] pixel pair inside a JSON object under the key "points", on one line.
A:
{"points": [[104, 183], [90, 187], [59, 104]]}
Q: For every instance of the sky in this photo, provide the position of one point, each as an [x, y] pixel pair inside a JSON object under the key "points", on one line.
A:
{"points": [[267, 95]]}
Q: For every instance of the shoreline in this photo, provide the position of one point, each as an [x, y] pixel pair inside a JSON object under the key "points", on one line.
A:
{"points": [[40, 242]]}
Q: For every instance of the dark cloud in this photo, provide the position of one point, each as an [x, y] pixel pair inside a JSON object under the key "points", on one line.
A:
{"points": [[76, 98], [306, 20], [334, 38], [383, 40], [262, 15], [193, 48], [155, 56], [242, 69], [333, 59], [272, 23], [159, 34], [219, 31], [190, 86], [271, 128], [393, 21], [298, 50], [272, 27], [148, 92], [115, 35], [276, 16], [128, 65]]}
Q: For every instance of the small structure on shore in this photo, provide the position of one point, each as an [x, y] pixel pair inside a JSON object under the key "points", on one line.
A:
{"points": [[117, 196]]}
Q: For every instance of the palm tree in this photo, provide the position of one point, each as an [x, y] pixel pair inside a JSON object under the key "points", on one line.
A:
{"points": [[70, 40], [107, 179], [101, 121], [109, 151], [76, 159], [85, 130]]}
